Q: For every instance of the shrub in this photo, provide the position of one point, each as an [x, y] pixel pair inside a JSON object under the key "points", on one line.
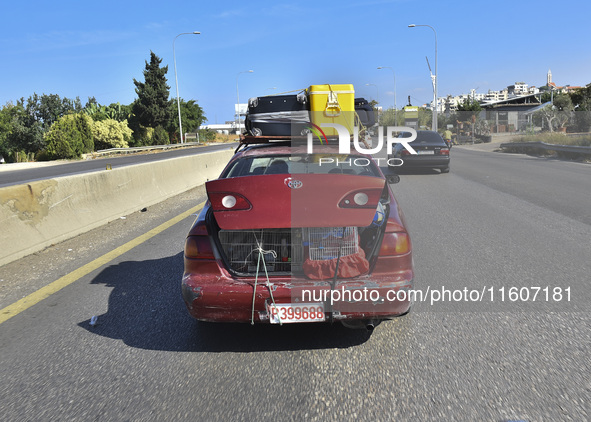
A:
{"points": [[69, 137], [141, 136], [84, 124], [207, 135], [160, 137], [582, 120], [42, 156], [110, 133]]}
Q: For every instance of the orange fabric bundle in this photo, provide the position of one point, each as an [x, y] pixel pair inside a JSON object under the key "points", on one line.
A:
{"points": [[349, 266]]}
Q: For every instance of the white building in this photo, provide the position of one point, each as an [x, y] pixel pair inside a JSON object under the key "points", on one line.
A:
{"points": [[452, 103], [494, 96], [518, 89]]}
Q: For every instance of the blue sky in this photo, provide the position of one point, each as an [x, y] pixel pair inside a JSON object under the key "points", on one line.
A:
{"points": [[96, 48]]}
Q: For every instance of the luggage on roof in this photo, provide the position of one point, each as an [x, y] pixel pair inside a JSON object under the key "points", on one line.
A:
{"points": [[365, 112], [332, 104], [291, 115], [277, 115]]}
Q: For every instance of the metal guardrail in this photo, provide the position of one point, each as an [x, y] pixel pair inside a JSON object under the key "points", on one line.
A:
{"points": [[548, 147], [140, 149]]}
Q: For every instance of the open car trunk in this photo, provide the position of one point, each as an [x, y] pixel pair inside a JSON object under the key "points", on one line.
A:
{"points": [[299, 225]]}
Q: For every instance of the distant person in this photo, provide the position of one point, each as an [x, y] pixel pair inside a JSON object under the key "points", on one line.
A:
{"points": [[447, 135]]}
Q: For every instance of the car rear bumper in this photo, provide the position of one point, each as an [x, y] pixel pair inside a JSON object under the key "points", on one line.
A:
{"points": [[223, 298], [425, 161]]}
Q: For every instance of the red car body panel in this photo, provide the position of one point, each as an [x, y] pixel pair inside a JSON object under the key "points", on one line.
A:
{"points": [[213, 292], [315, 204]]}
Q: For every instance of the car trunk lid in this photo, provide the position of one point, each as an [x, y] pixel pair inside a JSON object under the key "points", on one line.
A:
{"points": [[298, 200]]}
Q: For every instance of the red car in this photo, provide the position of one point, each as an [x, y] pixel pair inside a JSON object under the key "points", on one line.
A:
{"points": [[288, 236]]}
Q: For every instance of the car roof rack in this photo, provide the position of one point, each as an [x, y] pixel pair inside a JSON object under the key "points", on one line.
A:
{"points": [[251, 139], [246, 140]]}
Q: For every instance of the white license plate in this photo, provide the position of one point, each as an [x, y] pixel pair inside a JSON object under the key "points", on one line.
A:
{"points": [[296, 312], [426, 152]]}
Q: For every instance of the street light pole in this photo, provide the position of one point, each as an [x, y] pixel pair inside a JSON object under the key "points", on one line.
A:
{"points": [[395, 105], [178, 100], [434, 125], [238, 100]]}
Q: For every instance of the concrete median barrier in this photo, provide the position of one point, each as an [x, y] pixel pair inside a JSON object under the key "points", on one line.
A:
{"points": [[41, 213]]}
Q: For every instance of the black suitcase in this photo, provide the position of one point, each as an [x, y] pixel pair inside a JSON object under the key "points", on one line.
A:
{"points": [[365, 112], [278, 115]]}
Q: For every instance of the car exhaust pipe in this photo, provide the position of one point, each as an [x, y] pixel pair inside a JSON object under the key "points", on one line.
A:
{"points": [[360, 324], [370, 325]]}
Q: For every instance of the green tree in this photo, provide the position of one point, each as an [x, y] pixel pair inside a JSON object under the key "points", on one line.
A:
{"points": [[192, 115], [557, 115], [425, 117], [22, 132], [548, 115], [114, 111], [564, 108], [94, 110], [471, 108], [5, 131], [468, 112], [386, 117], [152, 107], [23, 125], [160, 136], [119, 112], [69, 137], [47, 108], [581, 96], [84, 126], [581, 100], [582, 121]]}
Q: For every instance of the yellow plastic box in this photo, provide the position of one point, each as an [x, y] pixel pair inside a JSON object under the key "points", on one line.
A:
{"points": [[332, 104]]}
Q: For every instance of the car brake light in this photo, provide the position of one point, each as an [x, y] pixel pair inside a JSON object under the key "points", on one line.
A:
{"points": [[368, 198], [198, 247], [395, 244], [444, 151], [224, 201]]}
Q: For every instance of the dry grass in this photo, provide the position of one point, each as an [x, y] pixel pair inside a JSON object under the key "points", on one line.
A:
{"points": [[557, 139], [553, 139], [221, 138]]}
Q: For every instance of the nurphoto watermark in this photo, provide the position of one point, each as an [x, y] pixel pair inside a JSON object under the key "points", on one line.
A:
{"points": [[344, 142]]}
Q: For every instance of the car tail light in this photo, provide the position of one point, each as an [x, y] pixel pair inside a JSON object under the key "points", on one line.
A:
{"points": [[198, 247], [395, 244], [444, 151], [224, 201], [367, 198]]}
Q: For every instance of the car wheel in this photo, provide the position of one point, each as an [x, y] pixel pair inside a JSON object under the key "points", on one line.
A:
{"points": [[445, 170]]}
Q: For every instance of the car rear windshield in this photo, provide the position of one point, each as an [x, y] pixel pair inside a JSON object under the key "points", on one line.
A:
{"points": [[425, 137], [303, 164]]}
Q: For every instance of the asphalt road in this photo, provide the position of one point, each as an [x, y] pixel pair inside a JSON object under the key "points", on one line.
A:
{"points": [[23, 175], [495, 221]]}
